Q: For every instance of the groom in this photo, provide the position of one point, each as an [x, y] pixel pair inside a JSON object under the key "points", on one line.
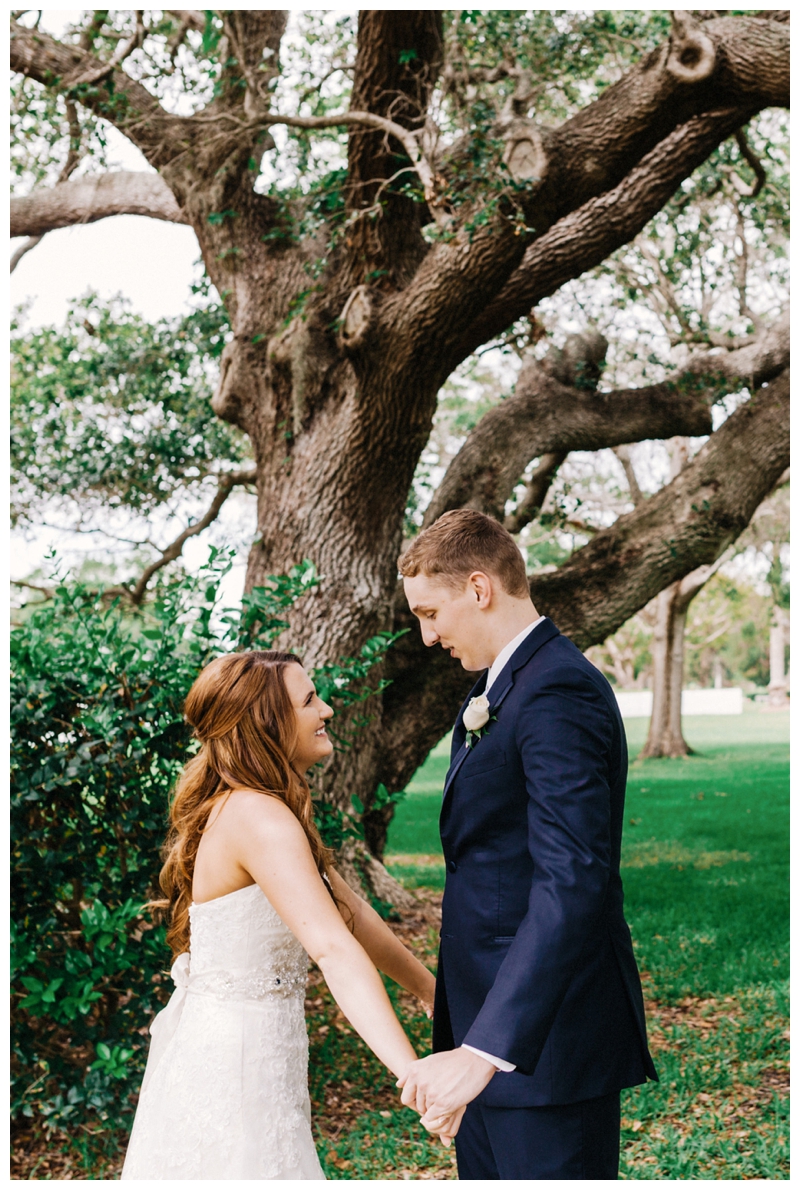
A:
{"points": [[538, 1019]]}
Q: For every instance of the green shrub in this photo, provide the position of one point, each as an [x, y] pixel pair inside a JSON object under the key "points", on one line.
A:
{"points": [[98, 738]]}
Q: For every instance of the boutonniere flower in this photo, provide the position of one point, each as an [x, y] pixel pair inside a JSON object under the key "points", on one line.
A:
{"points": [[476, 717]]}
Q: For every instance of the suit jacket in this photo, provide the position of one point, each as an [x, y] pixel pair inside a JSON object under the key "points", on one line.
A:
{"points": [[536, 964]]}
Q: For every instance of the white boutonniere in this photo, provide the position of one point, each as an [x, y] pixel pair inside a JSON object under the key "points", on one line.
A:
{"points": [[476, 717]]}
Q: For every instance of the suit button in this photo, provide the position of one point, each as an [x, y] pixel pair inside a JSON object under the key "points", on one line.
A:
{"points": [[452, 866]]}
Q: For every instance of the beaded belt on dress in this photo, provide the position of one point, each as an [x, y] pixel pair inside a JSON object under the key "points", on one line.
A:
{"points": [[253, 984]]}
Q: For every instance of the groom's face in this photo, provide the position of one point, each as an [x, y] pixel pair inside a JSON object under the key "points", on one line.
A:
{"points": [[451, 617]]}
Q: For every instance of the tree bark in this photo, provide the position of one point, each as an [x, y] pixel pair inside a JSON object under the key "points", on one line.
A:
{"points": [[545, 416], [94, 197]]}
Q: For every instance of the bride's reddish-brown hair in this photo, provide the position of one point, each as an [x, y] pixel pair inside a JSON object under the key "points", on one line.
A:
{"points": [[241, 712]]}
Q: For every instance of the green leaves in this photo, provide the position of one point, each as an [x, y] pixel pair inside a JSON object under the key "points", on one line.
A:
{"points": [[112, 412], [341, 683], [218, 217]]}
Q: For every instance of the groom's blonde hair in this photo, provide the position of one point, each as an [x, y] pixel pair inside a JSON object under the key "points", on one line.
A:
{"points": [[461, 542]]}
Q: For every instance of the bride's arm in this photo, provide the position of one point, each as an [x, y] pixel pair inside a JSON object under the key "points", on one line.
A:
{"points": [[384, 948], [270, 844]]}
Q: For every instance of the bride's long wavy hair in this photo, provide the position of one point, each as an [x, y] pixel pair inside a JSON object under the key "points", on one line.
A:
{"points": [[240, 711]]}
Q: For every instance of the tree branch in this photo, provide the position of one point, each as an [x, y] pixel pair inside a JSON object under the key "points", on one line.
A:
{"points": [[226, 484], [129, 106], [96, 74], [545, 416], [606, 172], [48, 592], [623, 453], [754, 163], [23, 248], [687, 524], [398, 60], [587, 236], [96, 196], [537, 488]]}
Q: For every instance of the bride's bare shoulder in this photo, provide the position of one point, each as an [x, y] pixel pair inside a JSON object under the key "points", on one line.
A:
{"points": [[251, 808]]}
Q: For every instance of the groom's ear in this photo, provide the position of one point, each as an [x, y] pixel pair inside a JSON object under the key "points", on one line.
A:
{"points": [[482, 588]]}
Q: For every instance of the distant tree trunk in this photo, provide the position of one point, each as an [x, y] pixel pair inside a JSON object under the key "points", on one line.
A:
{"points": [[718, 672], [778, 698], [665, 735]]}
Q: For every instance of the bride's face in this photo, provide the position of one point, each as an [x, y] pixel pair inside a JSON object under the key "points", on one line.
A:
{"points": [[311, 715]]}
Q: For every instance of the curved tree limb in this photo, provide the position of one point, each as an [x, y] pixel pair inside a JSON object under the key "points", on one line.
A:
{"points": [[129, 105], [96, 74], [225, 485], [754, 163], [618, 161], [536, 490], [23, 248], [96, 196], [71, 163], [544, 416], [409, 140], [685, 525]]}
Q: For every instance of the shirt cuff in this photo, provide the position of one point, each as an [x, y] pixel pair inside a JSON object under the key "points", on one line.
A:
{"points": [[500, 1063]]}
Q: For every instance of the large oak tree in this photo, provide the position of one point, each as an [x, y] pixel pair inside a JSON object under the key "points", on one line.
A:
{"points": [[466, 201]]}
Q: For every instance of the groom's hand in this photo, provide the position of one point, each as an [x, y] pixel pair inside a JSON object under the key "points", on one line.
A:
{"points": [[441, 1083]]}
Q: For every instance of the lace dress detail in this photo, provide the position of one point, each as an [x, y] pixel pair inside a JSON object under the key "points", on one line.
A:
{"points": [[225, 1092]]}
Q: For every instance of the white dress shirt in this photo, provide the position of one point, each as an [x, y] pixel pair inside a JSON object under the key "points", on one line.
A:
{"points": [[494, 671]]}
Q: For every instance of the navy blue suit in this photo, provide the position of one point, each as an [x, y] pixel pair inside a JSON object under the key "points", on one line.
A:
{"points": [[536, 964]]}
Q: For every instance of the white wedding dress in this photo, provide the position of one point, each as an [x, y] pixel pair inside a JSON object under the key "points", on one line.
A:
{"points": [[225, 1091]]}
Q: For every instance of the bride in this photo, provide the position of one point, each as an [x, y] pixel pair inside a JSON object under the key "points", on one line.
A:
{"points": [[251, 894]]}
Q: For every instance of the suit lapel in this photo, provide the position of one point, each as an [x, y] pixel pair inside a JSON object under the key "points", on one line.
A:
{"points": [[460, 735], [504, 682]]}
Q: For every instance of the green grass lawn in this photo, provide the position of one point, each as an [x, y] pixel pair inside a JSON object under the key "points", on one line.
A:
{"points": [[705, 869]]}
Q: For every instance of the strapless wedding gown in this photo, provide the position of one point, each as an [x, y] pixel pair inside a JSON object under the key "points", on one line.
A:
{"points": [[225, 1091]]}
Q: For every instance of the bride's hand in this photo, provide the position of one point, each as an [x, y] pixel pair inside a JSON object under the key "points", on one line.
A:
{"points": [[445, 1127]]}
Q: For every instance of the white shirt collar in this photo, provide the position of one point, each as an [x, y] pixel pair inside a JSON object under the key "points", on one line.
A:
{"points": [[507, 652]]}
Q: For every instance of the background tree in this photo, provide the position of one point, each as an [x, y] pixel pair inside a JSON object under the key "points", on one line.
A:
{"points": [[491, 159], [767, 537]]}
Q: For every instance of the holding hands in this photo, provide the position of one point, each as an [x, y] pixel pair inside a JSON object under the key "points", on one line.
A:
{"points": [[441, 1085]]}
